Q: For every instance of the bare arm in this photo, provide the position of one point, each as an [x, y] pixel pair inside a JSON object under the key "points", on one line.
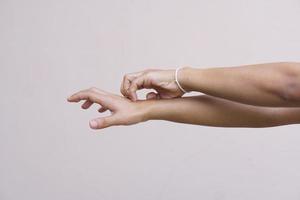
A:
{"points": [[201, 110], [212, 111], [271, 84]]}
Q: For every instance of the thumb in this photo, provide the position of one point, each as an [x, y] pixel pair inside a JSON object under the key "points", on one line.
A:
{"points": [[103, 122]]}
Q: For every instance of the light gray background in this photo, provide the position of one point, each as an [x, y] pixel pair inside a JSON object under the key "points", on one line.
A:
{"points": [[49, 49]]}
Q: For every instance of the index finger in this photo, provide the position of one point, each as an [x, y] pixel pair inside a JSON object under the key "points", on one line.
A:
{"points": [[127, 79], [87, 95]]}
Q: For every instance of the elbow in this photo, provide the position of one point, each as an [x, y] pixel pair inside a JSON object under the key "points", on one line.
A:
{"points": [[289, 90]]}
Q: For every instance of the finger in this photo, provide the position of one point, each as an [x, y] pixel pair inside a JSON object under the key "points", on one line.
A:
{"points": [[86, 104], [127, 79], [125, 85], [92, 89], [103, 122], [90, 96], [97, 90], [102, 109], [152, 95], [135, 85]]}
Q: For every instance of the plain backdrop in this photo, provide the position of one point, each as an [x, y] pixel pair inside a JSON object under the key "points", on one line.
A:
{"points": [[52, 48]]}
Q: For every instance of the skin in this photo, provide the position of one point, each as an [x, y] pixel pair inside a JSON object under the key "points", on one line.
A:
{"points": [[202, 110], [263, 95], [270, 84]]}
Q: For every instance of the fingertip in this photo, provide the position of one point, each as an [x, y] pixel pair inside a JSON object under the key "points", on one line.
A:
{"points": [[123, 92], [72, 98], [93, 124], [134, 96], [134, 99], [69, 99], [130, 97]]}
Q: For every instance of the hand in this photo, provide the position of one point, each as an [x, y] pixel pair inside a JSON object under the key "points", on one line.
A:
{"points": [[163, 81], [123, 111]]}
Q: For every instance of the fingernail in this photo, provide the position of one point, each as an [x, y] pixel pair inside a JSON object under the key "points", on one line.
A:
{"points": [[93, 124]]}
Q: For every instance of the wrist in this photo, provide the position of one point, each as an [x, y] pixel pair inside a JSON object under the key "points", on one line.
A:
{"points": [[150, 109], [185, 77], [144, 111]]}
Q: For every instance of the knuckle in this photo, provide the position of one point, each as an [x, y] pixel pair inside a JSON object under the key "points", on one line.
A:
{"points": [[92, 89], [135, 81], [145, 73], [104, 123], [150, 69], [80, 96], [126, 76], [132, 89], [148, 74]]}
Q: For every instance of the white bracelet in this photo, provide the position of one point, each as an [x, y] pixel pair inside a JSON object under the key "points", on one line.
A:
{"points": [[177, 82]]}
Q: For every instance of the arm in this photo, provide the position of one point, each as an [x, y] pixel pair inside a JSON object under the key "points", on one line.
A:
{"points": [[272, 84], [201, 110], [210, 111]]}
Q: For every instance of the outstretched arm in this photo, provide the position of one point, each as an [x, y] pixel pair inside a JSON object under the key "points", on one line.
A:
{"points": [[212, 111], [271, 84], [201, 110]]}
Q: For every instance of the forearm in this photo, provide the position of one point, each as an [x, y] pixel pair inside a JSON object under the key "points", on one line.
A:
{"points": [[272, 84], [211, 111]]}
